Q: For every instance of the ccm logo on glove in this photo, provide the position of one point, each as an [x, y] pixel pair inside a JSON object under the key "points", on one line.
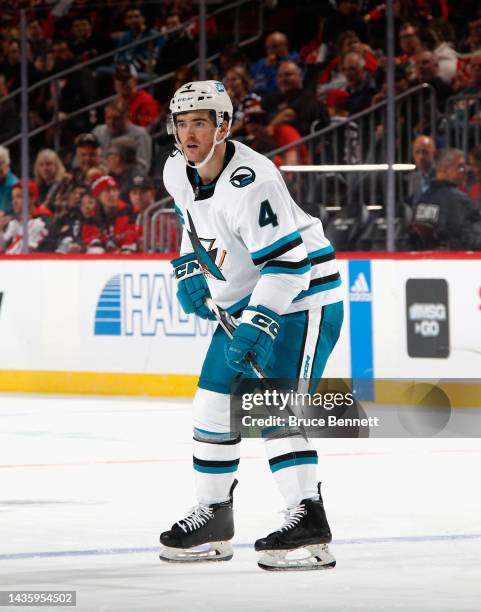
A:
{"points": [[189, 268], [262, 322]]}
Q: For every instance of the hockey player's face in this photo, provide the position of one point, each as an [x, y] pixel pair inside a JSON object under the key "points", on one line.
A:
{"points": [[196, 134]]}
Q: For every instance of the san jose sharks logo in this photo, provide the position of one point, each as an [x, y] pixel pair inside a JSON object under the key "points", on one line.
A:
{"points": [[205, 252], [242, 176]]}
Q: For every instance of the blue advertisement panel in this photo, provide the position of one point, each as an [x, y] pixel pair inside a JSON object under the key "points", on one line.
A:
{"points": [[360, 304]]}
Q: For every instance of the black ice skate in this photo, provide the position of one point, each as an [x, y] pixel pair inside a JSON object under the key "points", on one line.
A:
{"points": [[305, 529], [205, 525]]}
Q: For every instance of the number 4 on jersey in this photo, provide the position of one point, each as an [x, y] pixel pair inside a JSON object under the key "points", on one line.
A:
{"points": [[266, 215]]}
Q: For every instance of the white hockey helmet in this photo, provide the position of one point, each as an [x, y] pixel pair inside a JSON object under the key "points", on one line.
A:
{"points": [[196, 96]]}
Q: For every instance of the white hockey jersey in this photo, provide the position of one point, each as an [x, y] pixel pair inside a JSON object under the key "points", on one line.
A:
{"points": [[255, 244]]}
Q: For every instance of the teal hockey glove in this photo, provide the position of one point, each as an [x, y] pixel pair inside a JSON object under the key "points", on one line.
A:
{"points": [[254, 338], [192, 287]]}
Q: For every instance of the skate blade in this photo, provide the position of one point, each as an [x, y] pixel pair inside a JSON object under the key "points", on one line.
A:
{"points": [[214, 551], [319, 558]]}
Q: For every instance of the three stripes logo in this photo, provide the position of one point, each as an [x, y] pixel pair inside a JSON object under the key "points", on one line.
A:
{"points": [[359, 290]]}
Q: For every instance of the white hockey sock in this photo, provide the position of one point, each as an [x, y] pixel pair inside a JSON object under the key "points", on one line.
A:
{"points": [[215, 465], [216, 448], [293, 463]]}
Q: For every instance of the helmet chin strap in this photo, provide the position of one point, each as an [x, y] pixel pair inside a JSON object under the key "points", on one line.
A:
{"points": [[209, 154]]}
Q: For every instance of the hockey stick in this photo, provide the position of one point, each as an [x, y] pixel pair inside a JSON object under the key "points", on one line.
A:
{"points": [[229, 325]]}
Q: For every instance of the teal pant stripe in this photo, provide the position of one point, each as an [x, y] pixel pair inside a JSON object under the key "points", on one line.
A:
{"points": [[215, 470], [291, 462]]}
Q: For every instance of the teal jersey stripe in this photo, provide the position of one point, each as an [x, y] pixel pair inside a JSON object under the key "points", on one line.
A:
{"points": [[215, 470], [291, 462], [321, 252], [280, 270], [278, 243], [318, 289]]}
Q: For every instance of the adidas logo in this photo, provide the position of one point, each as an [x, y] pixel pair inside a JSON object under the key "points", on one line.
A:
{"points": [[359, 290]]}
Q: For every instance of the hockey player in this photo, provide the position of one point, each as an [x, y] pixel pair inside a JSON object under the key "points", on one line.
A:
{"points": [[249, 247]]}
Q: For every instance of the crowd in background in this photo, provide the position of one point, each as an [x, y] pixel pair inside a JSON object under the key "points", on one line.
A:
{"points": [[95, 173]]}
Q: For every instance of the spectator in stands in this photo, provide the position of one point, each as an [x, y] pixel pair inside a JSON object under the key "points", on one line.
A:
{"points": [[239, 88], [410, 43], [122, 164], [80, 229], [472, 44], [418, 181], [332, 77], [87, 44], [39, 44], [10, 66], [346, 17], [143, 108], [39, 222], [427, 72], [264, 71], [118, 217], [360, 85], [142, 193], [142, 57], [72, 92], [260, 136], [443, 213], [230, 56], [9, 116], [180, 48], [87, 156], [49, 173], [474, 83], [7, 181], [474, 186], [444, 51], [117, 124], [293, 104]]}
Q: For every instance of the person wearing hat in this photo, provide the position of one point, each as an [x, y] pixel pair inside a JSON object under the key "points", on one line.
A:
{"points": [[87, 156], [143, 108], [39, 223], [118, 216]]}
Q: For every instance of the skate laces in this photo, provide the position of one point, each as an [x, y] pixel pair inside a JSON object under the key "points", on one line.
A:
{"points": [[292, 517], [198, 516]]}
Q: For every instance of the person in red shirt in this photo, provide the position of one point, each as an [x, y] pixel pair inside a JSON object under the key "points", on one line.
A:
{"points": [[119, 217], [39, 223], [143, 108]]}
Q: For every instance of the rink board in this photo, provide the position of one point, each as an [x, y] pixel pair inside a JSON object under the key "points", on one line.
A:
{"points": [[110, 325]]}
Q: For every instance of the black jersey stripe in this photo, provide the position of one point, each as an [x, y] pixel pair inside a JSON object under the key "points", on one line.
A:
{"points": [[324, 279], [277, 252], [322, 258]]}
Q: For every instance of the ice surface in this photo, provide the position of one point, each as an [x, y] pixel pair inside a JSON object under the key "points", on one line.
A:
{"points": [[87, 484]]}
